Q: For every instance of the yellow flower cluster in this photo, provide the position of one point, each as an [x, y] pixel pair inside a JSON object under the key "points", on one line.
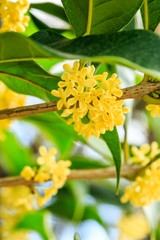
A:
{"points": [[133, 227], [154, 110], [48, 170], [16, 201], [90, 99], [10, 214], [12, 15], [146, 187], [8, 99]]}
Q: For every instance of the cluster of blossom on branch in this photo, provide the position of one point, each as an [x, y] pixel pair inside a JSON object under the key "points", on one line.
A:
{"points": [[146, 187], [24, 197], [49, 170], [90, 100], [9, 99], [12, 15]]}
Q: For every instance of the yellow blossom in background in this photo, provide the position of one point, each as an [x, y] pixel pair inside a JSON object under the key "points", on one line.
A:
{"points": [[24, 198], [12, 15], [146, 187], [8, 99], [90, 100], [133, 227], [154, 110], [12, 211], [145, 153], [49, 170]]}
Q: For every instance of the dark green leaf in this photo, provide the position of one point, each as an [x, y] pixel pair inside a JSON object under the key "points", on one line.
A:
{"points": [[14, 155], [28, 78], [153, 13], [127, 48], [112, 140], [106, 16]]}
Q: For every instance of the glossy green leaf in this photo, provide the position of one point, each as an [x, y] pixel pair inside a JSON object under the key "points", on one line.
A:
{"points": [[112, 140], [127, 48], [14, 155], [28, 78], [56, 129], [153, 13], [36, 221], [51, 9], [99, 15]]}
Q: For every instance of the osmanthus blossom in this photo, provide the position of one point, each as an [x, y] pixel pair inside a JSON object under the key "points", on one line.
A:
{"points": [[9, 99], [133, 227], [90, 100], [24, 198], [155, 109], [49, 170], [146, 186], [12, 15]]}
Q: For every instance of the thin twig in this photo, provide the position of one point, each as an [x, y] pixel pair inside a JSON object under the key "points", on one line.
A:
{"points": [[109, 172], [135, 92]]}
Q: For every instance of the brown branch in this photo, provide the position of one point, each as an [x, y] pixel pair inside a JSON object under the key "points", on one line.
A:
{"points": [[109, 172], [135, 92]]}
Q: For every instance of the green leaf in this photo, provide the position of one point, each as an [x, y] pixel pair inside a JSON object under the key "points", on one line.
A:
{"points": [[31, 28], [51, 9], [65, 205], [153, 13], [28, 78], [127, 48], [56, 129], [112, 140], [100, 16], [14, 155], [91, 212], [81, 162], [37, 221]]}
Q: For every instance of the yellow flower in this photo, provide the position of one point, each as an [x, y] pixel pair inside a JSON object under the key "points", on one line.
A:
{"points": [[146, 188], [133, 227], [28, 173], [12, 15], [154, 110], [8, 99], [90, 98], [11, 212], [49, 170], [145, 153]]}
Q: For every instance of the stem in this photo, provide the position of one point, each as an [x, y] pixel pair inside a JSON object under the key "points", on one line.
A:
{"points": [[109, 172], [146, 23], [89, 22]]}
